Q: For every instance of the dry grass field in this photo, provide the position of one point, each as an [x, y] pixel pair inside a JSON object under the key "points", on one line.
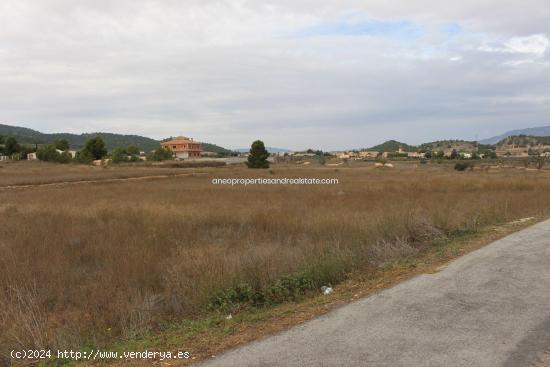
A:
{"points": [[36, 172], [89, 264]]}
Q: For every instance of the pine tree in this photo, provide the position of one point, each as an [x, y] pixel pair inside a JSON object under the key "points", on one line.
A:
{"points": [[258, 156]]}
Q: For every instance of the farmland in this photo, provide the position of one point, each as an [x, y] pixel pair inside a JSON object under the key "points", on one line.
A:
{"points": [[89, 264]]}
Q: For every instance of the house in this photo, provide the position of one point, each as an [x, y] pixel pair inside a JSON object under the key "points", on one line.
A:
{"points": [[416, 155], [512, 151], [368, 154], [183, 147], [32, 157]]}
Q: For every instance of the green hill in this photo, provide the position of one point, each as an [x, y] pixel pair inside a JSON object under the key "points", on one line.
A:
{"points": [[442, 145], [77, 141], [393, 146], [524, 141]]}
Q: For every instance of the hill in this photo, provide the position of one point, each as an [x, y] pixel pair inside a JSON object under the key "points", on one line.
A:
{"points": [[444, 145], [532, 131], [77, 141], [393, 146], [525, 141]]}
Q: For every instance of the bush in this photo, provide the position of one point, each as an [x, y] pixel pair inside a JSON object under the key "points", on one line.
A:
{"points": [[160, 155], [462, 166], [119, 155], [84, 156], [289, 288], [48, 153]]}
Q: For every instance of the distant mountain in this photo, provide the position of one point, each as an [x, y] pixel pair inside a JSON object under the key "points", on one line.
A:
{"points": [[112, 141], [392, 146], [269, 149], [532, 131]]}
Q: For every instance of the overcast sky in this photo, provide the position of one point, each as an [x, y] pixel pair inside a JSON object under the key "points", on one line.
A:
{"points": [[295, 73]]}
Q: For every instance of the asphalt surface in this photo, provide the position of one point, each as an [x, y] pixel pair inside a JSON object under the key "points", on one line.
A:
{"points": [[488, 308]]}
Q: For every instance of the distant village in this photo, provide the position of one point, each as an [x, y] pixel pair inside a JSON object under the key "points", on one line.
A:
{"points": [[186, 148]]}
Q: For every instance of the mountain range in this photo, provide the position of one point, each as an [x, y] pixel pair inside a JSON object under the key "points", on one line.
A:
{"points": [[76, 141], [112, 141], [532, 131]]}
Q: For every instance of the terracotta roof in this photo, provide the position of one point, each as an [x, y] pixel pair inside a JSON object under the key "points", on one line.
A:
{"points": [[180, 139]]}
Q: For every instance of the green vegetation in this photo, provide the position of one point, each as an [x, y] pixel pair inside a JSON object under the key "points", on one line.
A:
{"points": [[49, 153], [112, 141], [130, 154], [160, 155], [448, 144], [393, 146], [258, 155], [525, 141], [61, 144], [462, 166], [9, 146], [96, 147]]}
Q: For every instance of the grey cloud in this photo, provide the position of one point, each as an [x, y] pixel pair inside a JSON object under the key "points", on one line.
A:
{"points": [[219, 71]]}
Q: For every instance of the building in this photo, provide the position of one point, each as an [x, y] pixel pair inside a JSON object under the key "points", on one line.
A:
{"points": [[368, 154], [183, 148], [32, 157]]}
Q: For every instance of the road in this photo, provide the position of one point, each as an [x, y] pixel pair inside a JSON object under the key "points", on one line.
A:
{"points": [[488, 308]]}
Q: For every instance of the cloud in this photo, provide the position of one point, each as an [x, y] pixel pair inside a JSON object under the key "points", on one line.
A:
{"points": [[301, 73], [536, 45]]}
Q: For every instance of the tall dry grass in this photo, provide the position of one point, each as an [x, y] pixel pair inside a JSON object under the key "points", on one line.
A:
{"points": [[87, 264]]}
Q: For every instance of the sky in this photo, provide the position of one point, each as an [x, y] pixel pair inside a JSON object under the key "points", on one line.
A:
{"points": [[323, 74]]}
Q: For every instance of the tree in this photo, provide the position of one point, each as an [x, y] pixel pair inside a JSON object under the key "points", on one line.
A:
{"points": [[119, 155], [161, 154], [95, 147], [258, 155], [11, 146], [61, 144], [454, 154], [49, 153], [132, 150], [428, 154], [84, 156]]}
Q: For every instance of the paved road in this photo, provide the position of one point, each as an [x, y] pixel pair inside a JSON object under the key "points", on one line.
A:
{"points": [[488, 308]]}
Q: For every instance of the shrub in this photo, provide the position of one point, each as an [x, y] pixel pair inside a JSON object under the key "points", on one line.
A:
{"points": [[48, 153], [119, 155], [462, 166], [160, 155], [84, 156]]}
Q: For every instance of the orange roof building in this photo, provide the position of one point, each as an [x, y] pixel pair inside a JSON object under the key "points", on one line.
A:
{"points": [[183, 148]]}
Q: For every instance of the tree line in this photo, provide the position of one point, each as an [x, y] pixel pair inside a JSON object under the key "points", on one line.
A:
{"points": [[94, 149]]}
